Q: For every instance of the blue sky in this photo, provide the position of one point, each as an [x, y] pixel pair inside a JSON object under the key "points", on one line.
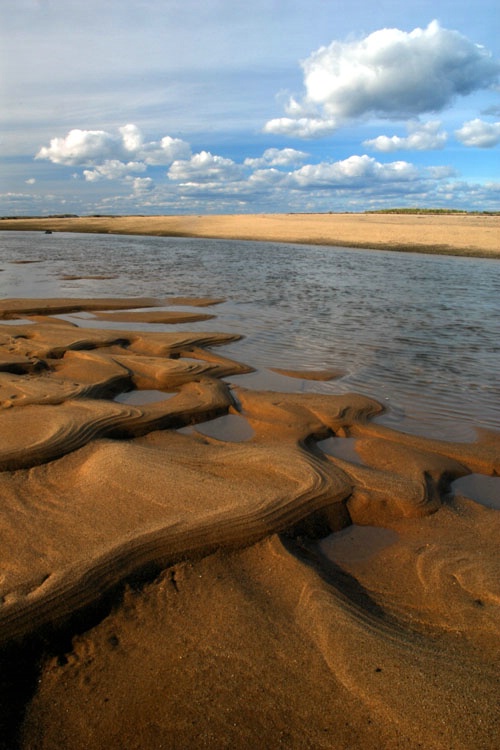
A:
{"points": [[219, 106]]}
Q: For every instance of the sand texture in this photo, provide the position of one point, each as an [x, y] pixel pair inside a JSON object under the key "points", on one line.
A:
{"points": [[451, 234], [161, 588]]}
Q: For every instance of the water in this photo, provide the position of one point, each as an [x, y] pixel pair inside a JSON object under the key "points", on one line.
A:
{"points": [[420, 333], [340, 447], [484, 490], [142, 397], [229, 427]]}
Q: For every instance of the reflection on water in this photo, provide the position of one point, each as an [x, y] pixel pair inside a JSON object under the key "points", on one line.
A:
{"points": [[16, 322], [484, 490], [142, 397], [417, 332], [344, 448], [265, 380], [230, 427]]}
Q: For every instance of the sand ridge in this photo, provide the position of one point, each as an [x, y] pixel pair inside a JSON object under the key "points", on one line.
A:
{"points": [[245, 634], [451, 234]]}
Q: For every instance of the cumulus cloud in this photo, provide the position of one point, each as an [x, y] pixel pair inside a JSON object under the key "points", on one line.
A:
{"points": [[389, 73], [131, 137], [86, 148], [208, 182], [281, 178], [266, 178], [350, 184], [479, 133], [353, 171], [80, 148], [205, 167], [277, 157], [113, 169], [141, 185], [301, 127], [166, 151], [421, 137]]}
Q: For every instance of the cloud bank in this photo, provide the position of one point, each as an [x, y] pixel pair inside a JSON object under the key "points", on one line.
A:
{"points": [[389, 73], [283, 178]]}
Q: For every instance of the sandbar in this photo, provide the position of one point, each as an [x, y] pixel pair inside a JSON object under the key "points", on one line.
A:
{"points": [[161, 587], [475, 235]]}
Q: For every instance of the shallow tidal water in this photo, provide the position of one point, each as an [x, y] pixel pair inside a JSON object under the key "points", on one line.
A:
{"points": [[420, 333]]}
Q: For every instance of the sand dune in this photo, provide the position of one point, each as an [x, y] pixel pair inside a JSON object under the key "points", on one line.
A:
{"points": [[163, 588], [453, 234]]}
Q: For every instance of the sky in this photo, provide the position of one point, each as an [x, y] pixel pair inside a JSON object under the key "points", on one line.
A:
{"points": [[224, 106]]}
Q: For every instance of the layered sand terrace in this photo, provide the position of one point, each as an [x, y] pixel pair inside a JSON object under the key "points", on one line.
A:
{"points": [[454, 234], [241, 633]]}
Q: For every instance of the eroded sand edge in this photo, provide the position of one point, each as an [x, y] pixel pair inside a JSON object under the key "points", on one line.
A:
{"points": [[168, 589]]}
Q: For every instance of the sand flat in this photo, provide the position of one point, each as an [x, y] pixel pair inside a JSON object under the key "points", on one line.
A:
{"points": [[163, 589], [454, 234]]}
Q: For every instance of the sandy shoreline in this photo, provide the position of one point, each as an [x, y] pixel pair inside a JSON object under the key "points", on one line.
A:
{"points": [[469, 235], [163, 588]]}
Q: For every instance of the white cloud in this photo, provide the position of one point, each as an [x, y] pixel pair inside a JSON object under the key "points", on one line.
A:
{"points": [[353, 184], [390, 73], [441, 172], [113, 169], [353, 171], [421, 137], [479, 133], [96, 147], [163, 152], [80, 148], [205, 167], [302, 127], [277, 157], [131, 137], [266, 178], [31, 181], [472, 196], [277, 180], [141, 185]]}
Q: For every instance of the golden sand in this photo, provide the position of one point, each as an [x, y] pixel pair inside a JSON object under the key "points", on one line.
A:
{"points": [[164, 589], [453, 234]]}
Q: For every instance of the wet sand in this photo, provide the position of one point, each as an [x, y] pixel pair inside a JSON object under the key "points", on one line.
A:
{"points": [[452, 234], [171, 587]]}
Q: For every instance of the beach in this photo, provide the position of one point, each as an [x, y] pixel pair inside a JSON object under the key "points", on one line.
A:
{"points": [[455, 234], [185, 562]]}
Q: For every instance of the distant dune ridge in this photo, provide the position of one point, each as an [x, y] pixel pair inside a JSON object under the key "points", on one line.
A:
{"points": [[163, 588], [453, 234]]}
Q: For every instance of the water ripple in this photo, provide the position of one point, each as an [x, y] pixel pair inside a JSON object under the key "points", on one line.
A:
{"points": [[420, 333]]}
